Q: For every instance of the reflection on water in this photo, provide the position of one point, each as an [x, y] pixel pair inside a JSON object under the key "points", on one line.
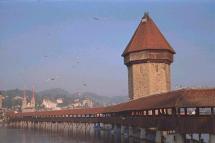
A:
{"points": [[36, 136]]}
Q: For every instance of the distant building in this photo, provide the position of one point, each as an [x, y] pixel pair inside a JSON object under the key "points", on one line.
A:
{"points": [[28, 106], [59, 100], [81, 103], [48, 104], [17, 98], [76, 104], [87, 102]]}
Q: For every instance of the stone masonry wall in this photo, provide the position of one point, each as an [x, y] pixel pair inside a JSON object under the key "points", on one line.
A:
{"points": [[148, 78]]}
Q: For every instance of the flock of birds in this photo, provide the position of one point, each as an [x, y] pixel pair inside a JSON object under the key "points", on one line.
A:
{"points": [[54, 78]]}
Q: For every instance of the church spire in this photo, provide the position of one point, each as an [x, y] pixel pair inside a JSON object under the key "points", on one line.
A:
{"points": [[24, 101], [33, 98]]}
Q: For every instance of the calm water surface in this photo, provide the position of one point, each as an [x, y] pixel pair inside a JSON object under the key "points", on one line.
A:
{"points": [[12, 135]]}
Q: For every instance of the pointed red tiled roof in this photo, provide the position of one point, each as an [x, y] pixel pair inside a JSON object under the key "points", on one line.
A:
{"points": [[147, 37]]}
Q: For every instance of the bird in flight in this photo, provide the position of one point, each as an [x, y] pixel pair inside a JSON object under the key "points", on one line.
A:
{"points": [[84, 84], [96, 18], [52, 78]]}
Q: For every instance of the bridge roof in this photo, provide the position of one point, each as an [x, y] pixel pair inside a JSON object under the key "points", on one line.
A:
{"points": [[179, 98], [70, 112]]}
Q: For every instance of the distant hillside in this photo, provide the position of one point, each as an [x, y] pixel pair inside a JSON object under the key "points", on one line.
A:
{"points": [[103, 100], [15, 92], [53, 94], [10, 97]]}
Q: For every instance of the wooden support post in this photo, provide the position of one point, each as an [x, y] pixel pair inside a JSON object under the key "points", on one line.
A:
{"points": [[164, 111], [178, 111], [130, 131], [197, 111], [169, 138], [147, 112], [211, 138], [159, 111], [174, 111], [158, 136], [117, 130], [212, 111], [185, 111], [122, 130], [178, 138], [142, 133], [153, 112]]}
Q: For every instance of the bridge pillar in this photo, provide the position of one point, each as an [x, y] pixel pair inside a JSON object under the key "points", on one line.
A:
{"points": [[58, 126], [158, 137], [38, 125], [211, 138], [97, 125], [115, 130], [130, 131], [122, 130], [46, 125], [62, 127], [67, 127], [50, 126], [179, 138], [71, 127], [91, 129], [142, 133], [55, 127], [20, 124], [169, 138], [41, 125], [23, 124], [32, 125]]}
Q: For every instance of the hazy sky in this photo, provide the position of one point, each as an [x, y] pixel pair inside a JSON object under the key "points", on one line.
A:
{"points": [[79, 43]]}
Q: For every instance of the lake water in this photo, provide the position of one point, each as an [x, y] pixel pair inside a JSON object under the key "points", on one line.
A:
{"points": [[13, 135]]}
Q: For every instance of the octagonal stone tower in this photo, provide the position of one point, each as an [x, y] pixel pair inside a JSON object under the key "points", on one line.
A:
{"points": [[148, 56]]}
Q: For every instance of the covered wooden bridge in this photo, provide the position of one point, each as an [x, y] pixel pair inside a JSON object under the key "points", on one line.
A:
{"points": [[184, 111]]}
